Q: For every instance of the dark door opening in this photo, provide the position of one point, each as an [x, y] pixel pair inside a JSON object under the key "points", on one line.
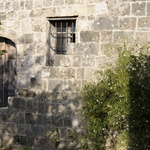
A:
{"points": [[7, 70]]}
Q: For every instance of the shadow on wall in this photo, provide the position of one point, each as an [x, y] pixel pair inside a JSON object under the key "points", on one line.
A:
{"points": [[139, 117], [43, 121]]}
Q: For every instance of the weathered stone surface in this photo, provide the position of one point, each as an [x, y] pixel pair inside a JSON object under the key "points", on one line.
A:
{"points": [[57, 121], [54, 85], [41, 108], [80, 73], [18, 103], [30, 118], [89, 36], [2, 6], [77, 61], [62, 73], [64, 61], [144, 22], [37, 130], [58, 2], [8, 6], [118, 36], [138, 8], [90, 48], [68, 2], [29, 4], [106, 36], [38, 26], [148, 9], [39, 84], [2, 15], [104, 23], [142, 36], [26, 39], [124, 9], [47, 3], [67, 122], [127, 23]]}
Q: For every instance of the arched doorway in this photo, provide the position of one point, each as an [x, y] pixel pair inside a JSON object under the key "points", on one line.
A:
{"points": [[7, 70]]}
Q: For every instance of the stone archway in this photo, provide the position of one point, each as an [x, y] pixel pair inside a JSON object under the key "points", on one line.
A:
{"points": [[7, 70]]}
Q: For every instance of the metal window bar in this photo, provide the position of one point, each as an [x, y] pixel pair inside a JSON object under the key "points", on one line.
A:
{"points": [[62, 35]]}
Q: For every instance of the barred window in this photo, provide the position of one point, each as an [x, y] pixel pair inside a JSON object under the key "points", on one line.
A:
{"points": [[62, 31]]}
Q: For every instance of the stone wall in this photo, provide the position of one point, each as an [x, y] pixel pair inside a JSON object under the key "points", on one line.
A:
{"points": [[45, 115]]}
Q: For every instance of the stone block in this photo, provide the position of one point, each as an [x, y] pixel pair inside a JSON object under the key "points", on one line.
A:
{"points": [[37, 130], [141, 36], [69, 2], [62, 97], [58, 2], [62, 73], [8, 6], [124, 9], [104, 23], [71, 85], [2, 6], [106, 36], [23, 129], [18, 117], [37, 3], [58, 109], [26, 39], [88, 61], [89, 36], [63, 60], [38, 26], [40, 60], [119, 36], [18, 103], [148, 9], [44, 12], [76, 61], [87, 48], [54, 85], [30, 118], [80, 73], [101, 8], [144, 22], [56, 121], [67, 122], [26, 93], [70, 48], [47, 3], [138, 9], [127, 23], [44, 97], [47, 120], [4, 115], [40, 119], [41, 108], [29, 105], [39, 84], [89, 74], [2, 15], [29, 4]]}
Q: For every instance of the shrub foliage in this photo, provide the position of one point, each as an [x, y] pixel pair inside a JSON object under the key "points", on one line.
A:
{"points": [[116, 109]]}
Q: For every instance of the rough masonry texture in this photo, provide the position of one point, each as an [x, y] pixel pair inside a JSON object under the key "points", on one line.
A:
{"points": [[44, 113]]}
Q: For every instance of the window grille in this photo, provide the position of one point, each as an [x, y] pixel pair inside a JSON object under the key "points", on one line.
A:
{"points": [[62, 31]]}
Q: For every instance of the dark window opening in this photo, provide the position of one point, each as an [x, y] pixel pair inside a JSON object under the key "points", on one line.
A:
{"points": [[62, 32]]}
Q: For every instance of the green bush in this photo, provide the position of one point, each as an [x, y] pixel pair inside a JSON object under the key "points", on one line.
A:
{"points": [[116, 108]]}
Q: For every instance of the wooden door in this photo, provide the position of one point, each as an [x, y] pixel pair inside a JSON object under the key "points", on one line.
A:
{"points": [[7, 70]]}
